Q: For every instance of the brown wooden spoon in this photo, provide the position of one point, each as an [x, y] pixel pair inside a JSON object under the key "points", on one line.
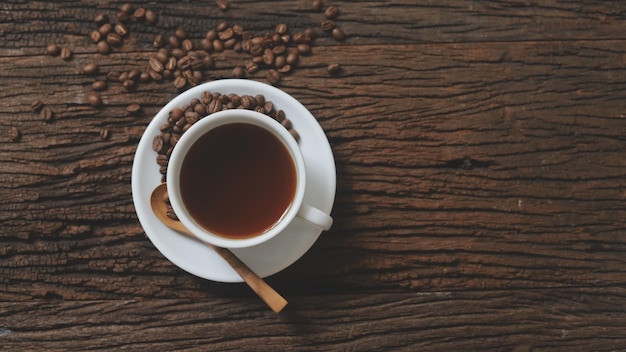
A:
{"points": [[272, 298]]}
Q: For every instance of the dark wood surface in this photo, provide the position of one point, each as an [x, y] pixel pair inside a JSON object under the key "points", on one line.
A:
{"points": [[481, 162]]}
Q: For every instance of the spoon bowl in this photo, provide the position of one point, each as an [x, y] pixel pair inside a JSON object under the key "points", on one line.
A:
{"points": [[272, 298]]}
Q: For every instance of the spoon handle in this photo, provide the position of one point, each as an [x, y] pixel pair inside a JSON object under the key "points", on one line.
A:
{"points": [[272, 298]]}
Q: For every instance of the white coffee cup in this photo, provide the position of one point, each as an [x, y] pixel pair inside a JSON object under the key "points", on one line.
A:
{"points": [[297, 207]]}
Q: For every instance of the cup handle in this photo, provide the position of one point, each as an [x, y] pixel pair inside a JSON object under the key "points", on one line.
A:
{"points": [[315, 217]]}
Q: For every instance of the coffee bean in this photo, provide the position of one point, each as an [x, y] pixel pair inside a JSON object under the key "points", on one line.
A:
{"points": [[151, 17], [304, 49], [169, 75], [66, 54], [144, 77], [178, 53], [279, 61], [47, 114], [281, 28], [294, 134], [292, 58], [114, 39], [173, 41], [104, 134], [94, 100], [273, 76], [139, 13], [338, 34], [95, 36], [208, 62], [222, 5], [123, 77], [280, 116], [251, 67], [331, 12], [113, 76], [158, 144], [14, 134], [206, 45], [103, 47], [101, 19], [211, 35], [91, 69], [218, 46], [187, 45], [158, 41], [328, 25], [226, 34], [123, 17], [53, 50], [310, 33], [181, 33], [162, 56], [120, 29], [171, 63], [316, 5], [334, 69], [239, 72], [301, 38], [284, 69], [127, 8], [221, 26], [129, 84], [99, 85], [134, 109], [155, 64], [36, 105], [105, 29], [268, 57], [180, 82]]}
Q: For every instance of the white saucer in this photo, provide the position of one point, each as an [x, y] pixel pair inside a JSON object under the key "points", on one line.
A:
{"points": [[265, 259]]}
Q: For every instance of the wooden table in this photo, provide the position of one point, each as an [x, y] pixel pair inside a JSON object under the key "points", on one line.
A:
{"points": [[481, 162]]}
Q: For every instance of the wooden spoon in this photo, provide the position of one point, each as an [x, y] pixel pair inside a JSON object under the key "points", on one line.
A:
{"points": [[272, 298]]}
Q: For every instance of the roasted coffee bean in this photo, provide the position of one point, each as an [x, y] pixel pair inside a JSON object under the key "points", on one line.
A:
{"points": [[284, 69], [334, 69], [181, 33], [134, 109], [120, 29], [208, 62], [304, 49], [123, 17], [287, 123], [331, 12], [157, 77], [99, 85], [95, 36], [171, 63], [47, 114], [162, 160], [197, 64], [127, 8], [173, 41], [279, 49], [222, 5], [200, 109], [294, 134], [268, 57], [158, 144], [281, 28], [36, 105], [310, 33], [279, 61], [53, 50], [139, 13], [162, 56], [292, 57], [114, 39], [238, 30], [134, 74], [178, 53], [184, 63], [206, 45], [144, 77], [14, 134], [66, 53], [256, 50], [180, 82], [252, 67], [158, 41], [104, 134], [301, 38], [94, 100], [101, 19], [211, 35], [103, 47], [316, 5], [191, 117], [218, 46], [129, 84], [113, 76], [280, 116], [91, 69], [221, 26], [176, 114], [273, 76], [214, 106], [151, 17], [205, 98], [337, 34], [328, 25], [239, 72], [226, 34], [155, 65], [230, 43], [123, 77], [105, 29], [187, 45], [169, 75]]}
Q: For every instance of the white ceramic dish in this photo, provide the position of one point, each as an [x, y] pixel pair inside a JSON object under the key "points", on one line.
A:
{"points": [[265, 259]]}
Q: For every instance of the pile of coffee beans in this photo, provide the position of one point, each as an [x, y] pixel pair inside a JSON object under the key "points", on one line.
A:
{"points": [[181, 119]]}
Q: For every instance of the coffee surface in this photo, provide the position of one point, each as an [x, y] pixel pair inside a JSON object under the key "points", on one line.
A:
{"points": [[237, 180]]}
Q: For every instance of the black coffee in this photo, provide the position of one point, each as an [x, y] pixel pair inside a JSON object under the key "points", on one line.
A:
{"points": [[237, 180]]}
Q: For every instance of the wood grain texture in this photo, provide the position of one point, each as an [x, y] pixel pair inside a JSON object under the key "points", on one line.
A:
{"points": [[480, 199]]}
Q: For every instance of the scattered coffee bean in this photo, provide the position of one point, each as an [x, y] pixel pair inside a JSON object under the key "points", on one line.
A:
{"points": [[91, 69], [239, 72], [334, 69], [14, 134], [134, 109], [328, 25], [127, 8], [144, 77], [180, 33], [99, 85], [47, 114], [94, 100], [101, 19], [158, 41], [222, 5], [53, 50], [95, 36], [123, 17], [139, 13], [151, 17], [120, 29], [317, 5], [294, 134], [114, 39], [103, 47], [104, 134], [180, 82], [273, 76], [129, 84], [331, 12], [66, 54], [113, 76], [337, 34], [36, 105], [304, 49], [105, 29]]}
